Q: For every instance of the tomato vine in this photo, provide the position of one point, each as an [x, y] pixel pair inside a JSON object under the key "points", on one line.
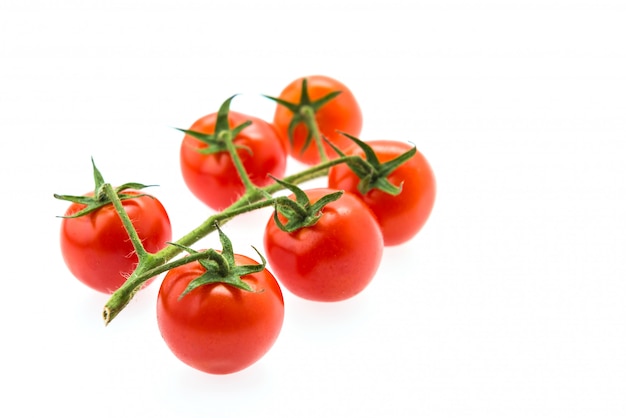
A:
{"points": [[321, 213], [151, 265]]}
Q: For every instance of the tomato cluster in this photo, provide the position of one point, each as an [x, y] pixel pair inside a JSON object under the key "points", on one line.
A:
{"points": [[219, 311]]}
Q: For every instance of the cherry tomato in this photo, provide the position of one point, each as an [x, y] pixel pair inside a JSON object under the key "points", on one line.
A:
{"points": [[341, 113], [332, 260], [218, 328], [213, 178], [96, 247], [400, 217]]}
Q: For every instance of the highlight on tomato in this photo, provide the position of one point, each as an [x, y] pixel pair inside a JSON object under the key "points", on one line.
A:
{"points": [[94, 243], [220, 314], [326, 248], [399, 186], [316, 106], [207, 167]]}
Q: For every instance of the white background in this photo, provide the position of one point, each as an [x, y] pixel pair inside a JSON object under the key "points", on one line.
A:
{"points": [[509, 303]]}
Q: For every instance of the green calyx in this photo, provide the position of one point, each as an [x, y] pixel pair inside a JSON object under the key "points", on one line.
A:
{"points": [[373, 173], [304, 112], [100, 198], [217, 141], [221, 267], [300, 213]]}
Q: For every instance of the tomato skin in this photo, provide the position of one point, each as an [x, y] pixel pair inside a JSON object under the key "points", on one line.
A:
{"points": [[342, 113], [217, 328], [400, 217], [96, 247], [213, 178], [332, 260]]}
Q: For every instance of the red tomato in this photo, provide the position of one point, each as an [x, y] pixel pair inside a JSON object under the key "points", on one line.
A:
{"points": [[213, 178], [400, 217], [341, 113], [96, 247], [332, 260], [218, 328]]}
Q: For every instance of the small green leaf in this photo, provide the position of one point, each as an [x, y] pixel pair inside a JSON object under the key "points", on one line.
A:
{"points": [[291, 130], [299, 213], [221, 267], [213, 145], [360, 166], [325, 200], [373, 173], [370, 155], [227, 246], [135, 186], [304, 93], [300, 195], [300, 110], [216, 141], [327, 98], [206, 138], [97, 176], [221, 124], [295, 214], [237, 129], [389, 166], [291, 106], [99, 198], [83, 200]]}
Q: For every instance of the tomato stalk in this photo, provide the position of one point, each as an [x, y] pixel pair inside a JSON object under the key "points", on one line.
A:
{"points": [[300, 213], [223, 139], [226, 136], [373, 173], [243, 174], [304, 112], [221, 267], [99, 197], [308, 115], [128, 225], [151, 265]]}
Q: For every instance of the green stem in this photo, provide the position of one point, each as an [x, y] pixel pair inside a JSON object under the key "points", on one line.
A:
{"points": [[140, 279], [241, 170], [128, 225], [308, 114], [151, 265], [155, 264]]}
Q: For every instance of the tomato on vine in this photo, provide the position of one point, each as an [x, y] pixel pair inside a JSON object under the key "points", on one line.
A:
{"points": [[398, 185], [323, 244], [313, 107], [220, 314], [94, 243], [207, 166]]}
